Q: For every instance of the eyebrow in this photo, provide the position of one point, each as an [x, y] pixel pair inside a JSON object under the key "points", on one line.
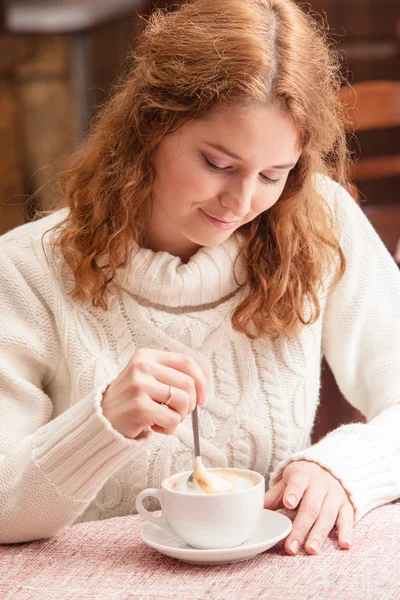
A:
{"points": [[221, 148]]}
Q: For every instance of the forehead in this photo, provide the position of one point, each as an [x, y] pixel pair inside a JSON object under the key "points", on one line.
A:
{"points": [[254, 132]]}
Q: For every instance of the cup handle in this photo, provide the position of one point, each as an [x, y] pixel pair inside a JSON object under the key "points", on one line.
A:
{"points": [[161, 521]]}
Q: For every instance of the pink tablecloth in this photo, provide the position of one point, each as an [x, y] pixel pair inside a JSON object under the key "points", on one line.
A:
{"points": [[106, 560]]}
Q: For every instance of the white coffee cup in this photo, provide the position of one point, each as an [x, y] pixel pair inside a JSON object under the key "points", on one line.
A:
{"points": [[208, 521]]}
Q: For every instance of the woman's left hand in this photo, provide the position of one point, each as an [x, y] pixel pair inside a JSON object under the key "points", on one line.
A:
{"points": [[322, 501]]}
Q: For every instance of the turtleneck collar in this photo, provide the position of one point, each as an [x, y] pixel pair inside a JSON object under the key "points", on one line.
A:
{"points": [[163, 279]]}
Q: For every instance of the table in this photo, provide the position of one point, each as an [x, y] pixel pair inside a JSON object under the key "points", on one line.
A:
{"points": [[106, 560]]}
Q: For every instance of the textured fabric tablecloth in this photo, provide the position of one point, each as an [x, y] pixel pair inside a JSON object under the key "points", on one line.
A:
{"points": [[106, 560]]}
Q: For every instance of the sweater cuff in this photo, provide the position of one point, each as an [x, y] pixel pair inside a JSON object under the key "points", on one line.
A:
{"points": [[79, 450], [356, 462]]}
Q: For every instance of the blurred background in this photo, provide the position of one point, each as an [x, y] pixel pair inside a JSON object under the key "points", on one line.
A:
{"points": [[59, 58]]}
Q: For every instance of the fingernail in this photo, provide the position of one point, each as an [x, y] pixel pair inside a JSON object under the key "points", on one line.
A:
{"points": [[347, 542], [292, 500], [294, 546], [314, 545]]}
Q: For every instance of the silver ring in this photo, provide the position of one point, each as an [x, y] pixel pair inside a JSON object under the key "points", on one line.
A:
{"points": [[170, 396]]}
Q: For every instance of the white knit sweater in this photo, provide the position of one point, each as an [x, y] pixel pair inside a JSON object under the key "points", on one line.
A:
{"points": [[62, 462]]}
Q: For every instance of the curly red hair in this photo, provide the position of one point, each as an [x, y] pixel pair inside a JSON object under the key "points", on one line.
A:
{"points": [[186, 62]]}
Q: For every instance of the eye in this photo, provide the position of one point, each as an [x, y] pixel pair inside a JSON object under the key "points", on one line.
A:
{"points": [[211, 165], [268, 180]]}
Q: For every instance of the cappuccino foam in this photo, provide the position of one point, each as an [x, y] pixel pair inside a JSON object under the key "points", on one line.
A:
{"points": [[233, 480]]}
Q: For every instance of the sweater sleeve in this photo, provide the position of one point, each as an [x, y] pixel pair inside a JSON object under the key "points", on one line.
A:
{"points": [[51, 468], [361, 342]]}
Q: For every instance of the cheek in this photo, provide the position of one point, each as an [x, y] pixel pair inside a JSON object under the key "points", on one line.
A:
{"points": [[171, 187], [195, 181], [267, 200], [185, 184], [173, 179]]}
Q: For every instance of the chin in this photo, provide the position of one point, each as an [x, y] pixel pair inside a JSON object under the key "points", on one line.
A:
{"points": [[207, 240]]}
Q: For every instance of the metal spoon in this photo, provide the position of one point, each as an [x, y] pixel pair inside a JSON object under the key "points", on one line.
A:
{"points": [[196, 438]]}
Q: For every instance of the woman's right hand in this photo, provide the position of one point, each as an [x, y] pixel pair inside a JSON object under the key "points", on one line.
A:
{"points": [[135, 400]]}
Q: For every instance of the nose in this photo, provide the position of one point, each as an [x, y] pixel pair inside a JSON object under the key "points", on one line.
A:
{"points": [[238, 198]]}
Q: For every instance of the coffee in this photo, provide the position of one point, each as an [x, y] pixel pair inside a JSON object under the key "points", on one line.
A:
{"points": [[236, 479]]}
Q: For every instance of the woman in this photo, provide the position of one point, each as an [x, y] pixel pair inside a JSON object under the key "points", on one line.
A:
{"points": [[208, 254]]}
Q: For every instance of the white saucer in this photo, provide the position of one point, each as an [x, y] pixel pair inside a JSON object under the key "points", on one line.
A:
{"points": [[273, 528]]}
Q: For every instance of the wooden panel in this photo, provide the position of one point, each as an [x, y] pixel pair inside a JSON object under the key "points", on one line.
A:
{"points": [[359, 18], [45, 57], [59, 82], [11, 179], [372, 104], [48, 131], [376, 168], [12, 51], [8, 134], [386, 221], [379, 192], [102, 66], [37, 124], [12, 199], [333, 410], [366, 34]]}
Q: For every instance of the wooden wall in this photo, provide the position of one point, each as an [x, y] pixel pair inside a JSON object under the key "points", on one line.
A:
{"points": [[50, 88]]}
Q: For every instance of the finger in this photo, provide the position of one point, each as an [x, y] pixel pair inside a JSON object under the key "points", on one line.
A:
{"points": [[162, 417], [307, 515], [345, 525], [157, 429], [205, 370], [185, 364], [296, 485], [166, 382], [324, 524], [158, 387], [273, 498]]}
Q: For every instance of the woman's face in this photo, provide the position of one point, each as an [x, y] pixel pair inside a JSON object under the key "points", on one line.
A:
{"points": [[215, 174]]}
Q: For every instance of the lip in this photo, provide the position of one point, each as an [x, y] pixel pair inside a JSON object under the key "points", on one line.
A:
{"points": [[218, 223]]}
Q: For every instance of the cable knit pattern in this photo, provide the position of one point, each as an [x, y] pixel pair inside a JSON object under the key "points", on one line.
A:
{"points": [[61, 462], [164, 280], [278, 407]]}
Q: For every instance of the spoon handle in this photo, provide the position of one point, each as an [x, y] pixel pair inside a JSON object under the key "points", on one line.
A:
{"points": [[195, 425]]}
